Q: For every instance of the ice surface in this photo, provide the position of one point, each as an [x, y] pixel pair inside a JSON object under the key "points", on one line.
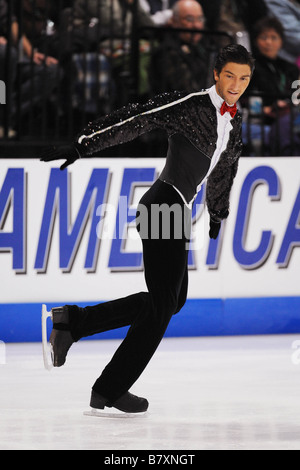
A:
{"points": [[204, 393]]}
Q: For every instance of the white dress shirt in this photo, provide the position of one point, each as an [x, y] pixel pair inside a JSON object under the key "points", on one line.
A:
{"points": [[224, 128]]}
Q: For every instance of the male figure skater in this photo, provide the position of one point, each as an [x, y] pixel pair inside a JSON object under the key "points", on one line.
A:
{"points": [[204, 131]]}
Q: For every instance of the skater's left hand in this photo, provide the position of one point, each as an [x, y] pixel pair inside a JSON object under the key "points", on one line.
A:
{"points": [[70, 153], [214, 229]]}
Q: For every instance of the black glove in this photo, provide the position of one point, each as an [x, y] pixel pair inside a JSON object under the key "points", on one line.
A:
{"points": [[214, 228], [69, 152]]}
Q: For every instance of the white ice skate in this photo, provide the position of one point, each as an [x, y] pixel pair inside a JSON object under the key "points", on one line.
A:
{"points": [[47, 348]]}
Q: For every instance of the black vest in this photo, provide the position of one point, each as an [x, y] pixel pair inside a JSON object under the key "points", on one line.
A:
{"points": [[190, 121], [186, 166]]}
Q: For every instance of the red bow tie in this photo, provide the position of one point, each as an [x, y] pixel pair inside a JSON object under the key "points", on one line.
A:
{"points": [[230, 109]]}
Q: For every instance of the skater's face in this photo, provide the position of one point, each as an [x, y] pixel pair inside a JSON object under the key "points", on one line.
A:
{"points": [[233, 81]]}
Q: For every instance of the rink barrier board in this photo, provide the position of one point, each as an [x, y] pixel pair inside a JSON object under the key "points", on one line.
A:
{"points": [[199, 317], [55, 242]]}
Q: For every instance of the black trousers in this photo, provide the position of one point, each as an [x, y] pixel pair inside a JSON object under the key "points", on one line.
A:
{"points": [[165, 255]]}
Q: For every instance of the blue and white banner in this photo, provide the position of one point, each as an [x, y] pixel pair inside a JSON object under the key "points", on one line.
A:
{"points": [[70, 237]]}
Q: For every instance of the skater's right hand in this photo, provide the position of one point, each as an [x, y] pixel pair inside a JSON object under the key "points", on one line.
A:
{"points": [[214, 228], [70, 153]]}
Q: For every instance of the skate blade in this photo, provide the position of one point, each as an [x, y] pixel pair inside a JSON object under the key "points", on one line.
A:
{"points": [[47, 348], [113, 413]]}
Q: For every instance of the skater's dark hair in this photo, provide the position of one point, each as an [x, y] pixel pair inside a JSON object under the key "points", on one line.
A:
{"points": [[234, 53]]}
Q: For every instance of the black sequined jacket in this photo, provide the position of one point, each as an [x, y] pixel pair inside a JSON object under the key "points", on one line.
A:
{"points": [[190, 121]]}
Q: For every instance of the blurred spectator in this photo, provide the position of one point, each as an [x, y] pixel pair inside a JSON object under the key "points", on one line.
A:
{"points": [[36, 71], [234, 16], [182, 60], [4, 33], [288, 13], [36, 40], [160, 11], [38, 68], [96, 38], [274, 77], [4, 36], [93, 21]]}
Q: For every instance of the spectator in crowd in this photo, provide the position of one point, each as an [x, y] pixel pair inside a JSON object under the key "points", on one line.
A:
{"points": [[160, 11], [274, 77], [39, 69], [181, 62], [4, 33], [36, 43], [236, 17], [37, 17], [93, 21], [38, 72], [288, 13]]}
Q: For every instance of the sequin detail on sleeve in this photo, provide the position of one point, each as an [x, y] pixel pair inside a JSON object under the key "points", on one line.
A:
{"points": [[175, 112]]}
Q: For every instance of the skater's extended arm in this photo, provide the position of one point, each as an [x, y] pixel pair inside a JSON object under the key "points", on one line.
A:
{"points": [[122, 126], [129, 122]]}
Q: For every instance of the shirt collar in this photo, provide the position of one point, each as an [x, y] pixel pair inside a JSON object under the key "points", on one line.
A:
{"points": [[217, 101]]}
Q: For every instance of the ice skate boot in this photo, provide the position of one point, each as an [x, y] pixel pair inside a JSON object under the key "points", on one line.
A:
{"points": [[60, 339], [128, 404]]}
